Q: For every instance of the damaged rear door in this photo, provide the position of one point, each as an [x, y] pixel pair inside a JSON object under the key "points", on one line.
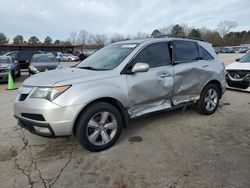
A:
{"points": [[190, 71], [152, 90]]}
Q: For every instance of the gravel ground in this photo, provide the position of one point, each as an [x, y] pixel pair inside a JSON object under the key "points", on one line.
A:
{"points": [[169, 149]]}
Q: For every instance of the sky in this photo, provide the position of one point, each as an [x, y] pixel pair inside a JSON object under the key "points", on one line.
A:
{"points": [[59, 18]]}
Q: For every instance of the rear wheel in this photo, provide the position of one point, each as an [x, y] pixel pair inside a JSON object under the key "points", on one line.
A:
{"points": [[99, 126], [209, 100]]}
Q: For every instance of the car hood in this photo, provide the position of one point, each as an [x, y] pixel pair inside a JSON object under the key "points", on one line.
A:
{"points": [[238, 66], [65, 76], [4, 65]]}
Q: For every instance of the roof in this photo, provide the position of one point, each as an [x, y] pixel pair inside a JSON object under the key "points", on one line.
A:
{"points": [[152, 39]]}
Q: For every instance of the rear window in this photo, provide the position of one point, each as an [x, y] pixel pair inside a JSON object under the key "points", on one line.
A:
{"points": [[26, 55], [205, 55], [185, 51], [43, 58]]}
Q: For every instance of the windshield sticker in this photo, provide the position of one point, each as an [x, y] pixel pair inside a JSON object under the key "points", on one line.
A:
{"points": [[128, 46]]}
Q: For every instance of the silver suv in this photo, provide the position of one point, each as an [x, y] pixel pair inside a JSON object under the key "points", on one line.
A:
{"points": [[95, 99]]}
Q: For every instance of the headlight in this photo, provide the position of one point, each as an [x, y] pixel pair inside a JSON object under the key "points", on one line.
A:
{"points": [[49, 93], [33, 69]]}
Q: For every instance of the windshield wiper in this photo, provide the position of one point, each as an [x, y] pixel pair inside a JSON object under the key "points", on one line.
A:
{"points": [[92, 68]]}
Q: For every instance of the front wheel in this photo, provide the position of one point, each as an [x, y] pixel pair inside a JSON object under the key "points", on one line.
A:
{"points": [[99, 126], [209, 100]]}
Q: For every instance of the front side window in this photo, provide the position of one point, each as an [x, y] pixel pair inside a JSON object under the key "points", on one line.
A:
{"points": [[155, 55], [108, 57], [185, 51]]}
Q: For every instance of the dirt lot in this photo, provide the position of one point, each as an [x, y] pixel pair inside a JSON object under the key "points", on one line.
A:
{"points": [[169, 149]]}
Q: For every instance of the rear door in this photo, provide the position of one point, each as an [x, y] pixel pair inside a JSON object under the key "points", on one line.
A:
{"points": [[151, 91], [191, 72]]}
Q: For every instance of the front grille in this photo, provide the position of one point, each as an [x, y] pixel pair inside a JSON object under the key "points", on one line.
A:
{"points": [[37, 117], [4, 70], [238, 74], [23, 97]]}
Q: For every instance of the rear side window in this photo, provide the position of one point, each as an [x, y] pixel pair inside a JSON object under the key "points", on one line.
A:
{"points": [[205, 55], [155, 55], [185, 51]]}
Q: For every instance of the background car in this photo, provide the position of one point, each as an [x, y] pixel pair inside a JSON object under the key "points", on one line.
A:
{"points": [[43, 62], [238, 73], [66, 57], [8, 65], [13, 55], [24, 57]]}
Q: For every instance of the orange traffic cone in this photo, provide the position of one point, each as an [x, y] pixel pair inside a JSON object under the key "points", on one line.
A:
{"points": [[11, 84]]}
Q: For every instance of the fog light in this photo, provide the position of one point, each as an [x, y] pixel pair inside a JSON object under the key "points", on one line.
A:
{"points": [[42, 130]]}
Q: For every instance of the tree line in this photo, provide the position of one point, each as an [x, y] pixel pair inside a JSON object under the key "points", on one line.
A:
{"points": [[221, 36]]}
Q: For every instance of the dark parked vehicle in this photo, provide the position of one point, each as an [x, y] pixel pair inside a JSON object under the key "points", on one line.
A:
{"points": [[43, 62], [24, 57], [13, 55], [8, 65]]}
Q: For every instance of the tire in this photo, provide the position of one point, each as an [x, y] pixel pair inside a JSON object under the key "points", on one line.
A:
{"points": [[209, 100], [69, 59], [19, 73], [99, 123]]}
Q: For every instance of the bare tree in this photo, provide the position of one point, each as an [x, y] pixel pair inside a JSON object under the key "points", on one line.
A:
{"points": [[186, 29], [73, 37], [225, 26], [166, 30], [141, 35], [100, 40], [83, 37], [117, 37]]}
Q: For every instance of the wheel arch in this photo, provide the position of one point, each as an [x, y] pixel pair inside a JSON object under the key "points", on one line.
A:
{"points": [[112, 101], [218, 84]]}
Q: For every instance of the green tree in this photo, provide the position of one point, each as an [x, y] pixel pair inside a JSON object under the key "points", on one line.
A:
{"points": [[177, 30], [195, 33], [33, 40], [156, 33], [18, 39], [3, 39], [57, 42], [48, 40]]}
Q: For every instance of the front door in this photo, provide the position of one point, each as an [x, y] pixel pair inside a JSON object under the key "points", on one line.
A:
{"points": [[152, 90]]}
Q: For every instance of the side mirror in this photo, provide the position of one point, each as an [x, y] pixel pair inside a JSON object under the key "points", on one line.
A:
{"points": [[237, 60], [140, 67]]}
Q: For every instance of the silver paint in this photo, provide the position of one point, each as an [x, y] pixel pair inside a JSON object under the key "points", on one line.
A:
{"points": [[140, 93]]}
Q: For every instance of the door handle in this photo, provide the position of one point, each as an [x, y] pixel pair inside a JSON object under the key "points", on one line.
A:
{"points": [[204, 65], [165, 75]]}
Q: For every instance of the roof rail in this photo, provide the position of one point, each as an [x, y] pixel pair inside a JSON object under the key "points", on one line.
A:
{"points": [[183, 37]]}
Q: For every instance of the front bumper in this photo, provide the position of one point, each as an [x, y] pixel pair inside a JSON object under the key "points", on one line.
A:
{"points": [[238, 83], [38, 128], [58, 120], [4, 76]]}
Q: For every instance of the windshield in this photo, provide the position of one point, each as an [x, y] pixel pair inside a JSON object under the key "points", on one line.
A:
{"points": [[108, 57], [245, 58], [4, 61], [43, 58]]}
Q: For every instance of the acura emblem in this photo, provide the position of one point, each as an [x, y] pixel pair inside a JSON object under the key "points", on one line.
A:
{"points": [[236, 76]]}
